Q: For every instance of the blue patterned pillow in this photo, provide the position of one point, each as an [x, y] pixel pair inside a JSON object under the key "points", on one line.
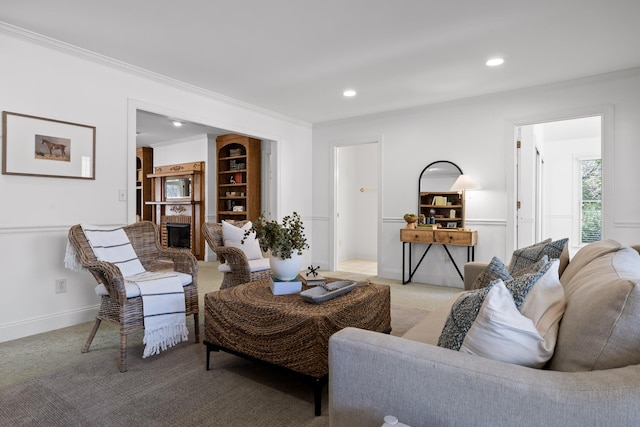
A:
{"points": [[524, 257], [461, 317], [495, 270]]}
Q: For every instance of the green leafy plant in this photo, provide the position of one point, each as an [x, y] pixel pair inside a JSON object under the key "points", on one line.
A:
{"points": [[410, 217], [282, 239]]}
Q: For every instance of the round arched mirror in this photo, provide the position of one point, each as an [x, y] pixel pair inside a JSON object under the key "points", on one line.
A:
{"points": [[439, 177]]}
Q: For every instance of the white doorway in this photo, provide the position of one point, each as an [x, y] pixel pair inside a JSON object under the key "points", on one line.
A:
{"points": [[357, 201], [558, 189]]}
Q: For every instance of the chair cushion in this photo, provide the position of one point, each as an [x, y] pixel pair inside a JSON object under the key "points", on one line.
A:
{"points": [[599, 329], [133, 290], [254, 265], [514, 321], [233, 236]]}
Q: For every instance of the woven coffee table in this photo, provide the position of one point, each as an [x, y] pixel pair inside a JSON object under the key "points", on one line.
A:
{"points": [[249, 321]]}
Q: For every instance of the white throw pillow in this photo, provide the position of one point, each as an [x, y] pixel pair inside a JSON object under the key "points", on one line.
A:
{"points": [[501, 332], [232, 236], [514, 321]]}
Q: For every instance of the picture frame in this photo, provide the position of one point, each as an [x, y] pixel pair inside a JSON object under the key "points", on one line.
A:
{"points": [[38, 146], [452, 225], [238, 208]]}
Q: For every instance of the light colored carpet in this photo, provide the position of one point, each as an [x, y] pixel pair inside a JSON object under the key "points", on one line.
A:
{"points": [[46, 380], [170, 389]]}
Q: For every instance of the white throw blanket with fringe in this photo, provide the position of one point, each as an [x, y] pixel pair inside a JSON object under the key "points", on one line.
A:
{"points": [[163, 301], [163, 307]]}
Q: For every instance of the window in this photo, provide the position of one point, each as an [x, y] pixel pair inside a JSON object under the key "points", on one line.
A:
{"points": [[591, 200]]}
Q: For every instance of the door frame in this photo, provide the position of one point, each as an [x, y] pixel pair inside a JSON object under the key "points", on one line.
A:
{"points": [[607, 141], [133, 105], [333, 214]]}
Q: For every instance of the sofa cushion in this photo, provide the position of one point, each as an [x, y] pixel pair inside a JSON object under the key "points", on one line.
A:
{"points": [[600, 328], [586, 255], [428, 330], [524, 257], [514, 321]]}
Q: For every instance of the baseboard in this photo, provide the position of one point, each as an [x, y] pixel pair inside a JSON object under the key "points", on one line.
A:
{"points": [[38, 325]]}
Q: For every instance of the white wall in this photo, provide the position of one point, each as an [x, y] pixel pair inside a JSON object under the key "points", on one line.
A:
{"points": [[42, 78], [477, 134], [195, 149]]}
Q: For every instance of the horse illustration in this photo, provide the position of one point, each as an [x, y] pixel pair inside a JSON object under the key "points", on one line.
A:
{"points": [[52, 146]]}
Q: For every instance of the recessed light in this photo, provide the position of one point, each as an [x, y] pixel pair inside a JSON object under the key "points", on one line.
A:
{"points": [[349, 93], [177, 123], [494, 62]]}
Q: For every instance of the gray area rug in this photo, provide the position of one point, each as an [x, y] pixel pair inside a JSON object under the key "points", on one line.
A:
{"points": [[170, 389]]}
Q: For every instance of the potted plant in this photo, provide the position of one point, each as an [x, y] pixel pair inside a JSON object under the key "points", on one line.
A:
{"points": [[285, 241]]}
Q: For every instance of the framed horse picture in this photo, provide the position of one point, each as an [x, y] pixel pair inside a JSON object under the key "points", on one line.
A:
{"points": [[37, 146]]}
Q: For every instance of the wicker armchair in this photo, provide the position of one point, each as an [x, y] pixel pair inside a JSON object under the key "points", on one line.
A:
{"points": [[234, 264], [116, 307]]}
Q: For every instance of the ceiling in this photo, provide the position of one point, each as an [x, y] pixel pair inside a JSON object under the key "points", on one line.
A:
{"points": [[296, 57], [154, 129]]}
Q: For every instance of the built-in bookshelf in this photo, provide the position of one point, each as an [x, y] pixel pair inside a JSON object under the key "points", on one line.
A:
{"points": [[238, 178]]}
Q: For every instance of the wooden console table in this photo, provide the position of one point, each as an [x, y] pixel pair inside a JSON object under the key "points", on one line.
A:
{"points": [[444, 237]]}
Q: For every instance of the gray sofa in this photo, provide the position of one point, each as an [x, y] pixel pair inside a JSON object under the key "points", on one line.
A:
{"points": [[593, 378]]}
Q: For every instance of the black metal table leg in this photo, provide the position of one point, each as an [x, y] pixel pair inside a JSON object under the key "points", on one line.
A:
{"points": [[453, 261]]}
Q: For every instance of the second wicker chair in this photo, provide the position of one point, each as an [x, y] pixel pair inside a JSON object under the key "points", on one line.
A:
{"points": [[235, 265]]}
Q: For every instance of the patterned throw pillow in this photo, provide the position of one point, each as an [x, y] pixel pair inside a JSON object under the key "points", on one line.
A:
{"points": [[515, 321], [524, 257], [495, 270]]}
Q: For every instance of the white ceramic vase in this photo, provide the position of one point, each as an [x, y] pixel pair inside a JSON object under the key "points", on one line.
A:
{"points": [[286, 269]]}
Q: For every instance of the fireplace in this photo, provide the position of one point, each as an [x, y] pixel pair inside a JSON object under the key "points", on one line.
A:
{"points": [[182, 211], [176, 232], [178, 235]]}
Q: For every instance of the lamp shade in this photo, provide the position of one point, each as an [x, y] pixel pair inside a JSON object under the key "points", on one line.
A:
{"points": [[464, 182]]}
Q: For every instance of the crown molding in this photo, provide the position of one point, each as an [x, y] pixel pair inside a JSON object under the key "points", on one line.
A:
{"points": [[50, 43]]}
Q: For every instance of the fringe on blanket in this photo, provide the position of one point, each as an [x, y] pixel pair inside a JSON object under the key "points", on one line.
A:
{"points": [[71, 259], [158, 340]]}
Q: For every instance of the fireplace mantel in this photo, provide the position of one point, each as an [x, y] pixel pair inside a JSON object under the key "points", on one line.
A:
{"points": [[187, 207]]}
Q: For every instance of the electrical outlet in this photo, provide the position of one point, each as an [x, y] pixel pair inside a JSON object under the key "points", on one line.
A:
{"points": [[61, 286], [122, 195]]}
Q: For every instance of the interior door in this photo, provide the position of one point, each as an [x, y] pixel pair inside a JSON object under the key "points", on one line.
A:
{"points": [[527, 190], [548, 183]]}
